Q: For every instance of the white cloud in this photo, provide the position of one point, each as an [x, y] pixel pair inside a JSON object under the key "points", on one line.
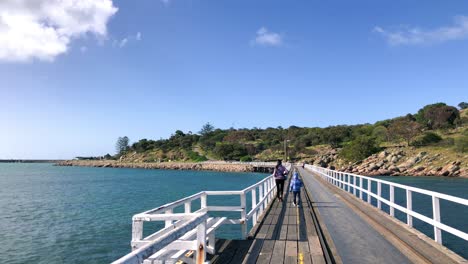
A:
{"points": [[138, 36], [44, 29], [417, 36], [267, 38]]}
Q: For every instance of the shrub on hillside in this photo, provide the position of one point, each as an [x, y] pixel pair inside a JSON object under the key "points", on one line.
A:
{"points": [[229, 151], [359, 149], [194, 156], [246, 159], [380, 133], [426, 139], [461, 144]]}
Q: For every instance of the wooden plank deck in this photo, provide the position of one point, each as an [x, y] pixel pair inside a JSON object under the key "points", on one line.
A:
{"points": [[286, 235]]}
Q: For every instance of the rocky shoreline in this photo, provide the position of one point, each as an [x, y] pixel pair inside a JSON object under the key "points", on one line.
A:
{"points": [[391, 162], [398, 162], [223, 167]]}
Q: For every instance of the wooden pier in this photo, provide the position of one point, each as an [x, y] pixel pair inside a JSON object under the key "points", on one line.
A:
{"points": [[286, 234], [335, 223]]}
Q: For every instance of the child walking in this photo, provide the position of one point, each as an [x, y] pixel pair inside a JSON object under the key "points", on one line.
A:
{"points": [[295, 187]]}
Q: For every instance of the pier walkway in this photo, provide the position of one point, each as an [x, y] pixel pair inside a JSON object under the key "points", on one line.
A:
{"points": [[350, 234], [333, 224], [286, 235]]}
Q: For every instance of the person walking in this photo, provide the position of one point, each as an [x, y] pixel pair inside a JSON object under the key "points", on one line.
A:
{"points": [[295, 188], [280, 173]]}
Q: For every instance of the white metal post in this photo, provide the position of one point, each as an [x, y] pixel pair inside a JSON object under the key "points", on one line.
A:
{"points": [[260, 195], [254, 204], [409, 207], [392, 200], [168, 222], [201, 243], [369, 186], [203, 201], [349, 182], [137, 231], [436, 217], [243, 216], [188, 207], [354, 185], [379, 194], [360, 186], [343, 181]]}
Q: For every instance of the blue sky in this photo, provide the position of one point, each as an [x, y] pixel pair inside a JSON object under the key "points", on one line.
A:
{"points": [[71, 84]]}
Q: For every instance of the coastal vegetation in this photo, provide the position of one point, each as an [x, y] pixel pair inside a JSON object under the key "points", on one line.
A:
{"points": [[436, 129]]}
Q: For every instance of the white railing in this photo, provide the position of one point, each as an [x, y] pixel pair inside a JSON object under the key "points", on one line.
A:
{"points": [[253, 163], [354, 184], [191, 230]]}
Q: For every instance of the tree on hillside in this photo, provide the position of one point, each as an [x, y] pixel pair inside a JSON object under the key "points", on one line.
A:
{"points": [[122, 145], [380, 133], [359, 149], [439, 115], [404, 128], [463, 105], [206, 129], [335, 135]]}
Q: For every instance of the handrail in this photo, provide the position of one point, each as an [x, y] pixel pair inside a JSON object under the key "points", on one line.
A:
{"points": [[178, 221], [348, 181]]}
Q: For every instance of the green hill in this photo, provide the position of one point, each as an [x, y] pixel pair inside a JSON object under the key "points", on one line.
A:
{"points": [[438, 130]]}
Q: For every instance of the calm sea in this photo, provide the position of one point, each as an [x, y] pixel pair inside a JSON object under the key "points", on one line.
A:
{"points": [[54, 214]]}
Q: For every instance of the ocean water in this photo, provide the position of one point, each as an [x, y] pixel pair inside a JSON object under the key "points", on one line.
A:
{"points": [[52, 214]]}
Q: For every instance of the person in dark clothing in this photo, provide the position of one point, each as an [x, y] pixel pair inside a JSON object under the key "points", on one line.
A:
{"points": [[280, 173]]}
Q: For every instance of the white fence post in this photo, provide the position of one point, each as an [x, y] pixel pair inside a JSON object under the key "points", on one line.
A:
{"points": [[354, 185], [243, 216], [361, 181], [342, 181], [168, 222], [201, 243], [137, 232], [188, 207], [261, 195], [436, 217], [254, 204], [203, 201], [392, 200], [349, 182], [369, 186], [409, 207], [379, 194]]}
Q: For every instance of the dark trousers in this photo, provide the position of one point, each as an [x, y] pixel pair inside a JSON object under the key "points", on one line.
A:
{"points": [[279, 188], [298, 195]]}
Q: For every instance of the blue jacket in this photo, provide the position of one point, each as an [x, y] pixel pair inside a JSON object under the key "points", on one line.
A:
{"points": [[296, 183]]}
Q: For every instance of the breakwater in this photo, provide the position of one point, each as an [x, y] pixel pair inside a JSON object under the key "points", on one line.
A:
{"points": [[209, 166]]}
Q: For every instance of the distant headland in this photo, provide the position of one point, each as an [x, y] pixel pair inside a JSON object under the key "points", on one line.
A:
{"points": [[29, 161], [431, 142]]}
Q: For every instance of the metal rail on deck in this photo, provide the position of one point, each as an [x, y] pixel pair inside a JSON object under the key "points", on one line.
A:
{"points": [[354, 184], [179, 226]]}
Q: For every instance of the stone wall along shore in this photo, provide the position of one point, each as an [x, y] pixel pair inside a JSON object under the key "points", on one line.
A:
{"points": [[224, 167]]}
